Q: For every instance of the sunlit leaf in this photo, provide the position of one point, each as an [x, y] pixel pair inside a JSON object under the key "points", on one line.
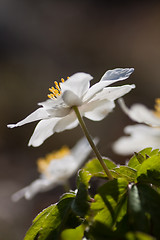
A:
{"points": [[126, 172], [142, 155], [73, 234], [107, 201], [95, 168], [83, 177], [50, 222], [149, 170]]}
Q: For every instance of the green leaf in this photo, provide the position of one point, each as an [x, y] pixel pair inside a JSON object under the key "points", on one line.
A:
{"points": [[107, 203], [120, 211], [143, 209], [149, 170], [126, 172], [137, 218], [134, 162], [83, 177], [154, 152], [150, 200], [72, 234], [80, 204], [99, 231], [95, 168], [138, 236], [140, 157], [50, 222], [45, 211]]}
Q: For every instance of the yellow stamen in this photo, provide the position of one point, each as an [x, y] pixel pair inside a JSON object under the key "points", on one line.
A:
{"points": [[44, 162], [56, 84], [55, 91], [51, 90], [157, 107], [49, 96]]}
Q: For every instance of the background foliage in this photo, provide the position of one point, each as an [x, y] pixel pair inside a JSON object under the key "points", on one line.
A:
{"points": [[124, 208]]}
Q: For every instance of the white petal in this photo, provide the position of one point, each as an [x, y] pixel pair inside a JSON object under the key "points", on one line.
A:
{"points": [[117, 74], [43, 130], [128, 145], [65, 123], [97, 110], [108, 78], [81, 150], [39, 114], [140, 113], [77, 83], [52, 103], [39, 185], [62, 169], [112, 93], [141, 136], [19, 194], [71, 99], [55, 107], [141, 129], [68, 165]]}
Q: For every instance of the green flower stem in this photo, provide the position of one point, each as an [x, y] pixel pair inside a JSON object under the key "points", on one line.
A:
{"points": [[93, 146]]}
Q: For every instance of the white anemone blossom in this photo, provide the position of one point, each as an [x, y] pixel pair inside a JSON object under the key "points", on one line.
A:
{"points": [[140, 136], [56, 168], [141, 114], [56, 114]]}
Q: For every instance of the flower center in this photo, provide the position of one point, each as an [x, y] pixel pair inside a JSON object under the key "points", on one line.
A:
{"points": [[157, 107], [56, 91], [43, 163]]}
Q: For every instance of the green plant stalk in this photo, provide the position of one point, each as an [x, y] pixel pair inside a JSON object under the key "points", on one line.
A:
{"points": [[93, 146]]}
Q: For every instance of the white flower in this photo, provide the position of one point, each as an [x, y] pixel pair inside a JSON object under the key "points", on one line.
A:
{"points": [[141, 114], [140, 137], [56, 168], [95, 102]]}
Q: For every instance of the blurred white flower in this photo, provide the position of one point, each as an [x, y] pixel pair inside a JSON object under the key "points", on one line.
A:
{"points": [[141, 114], [140, 135], [56, 168], [95, 102]]}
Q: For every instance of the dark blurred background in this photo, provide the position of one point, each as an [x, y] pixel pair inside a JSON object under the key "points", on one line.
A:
{"points": [[42, 41]]}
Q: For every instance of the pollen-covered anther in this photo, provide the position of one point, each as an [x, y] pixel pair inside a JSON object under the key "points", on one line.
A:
{"points": [[55, 91], [51, 96], [56, 85]]}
